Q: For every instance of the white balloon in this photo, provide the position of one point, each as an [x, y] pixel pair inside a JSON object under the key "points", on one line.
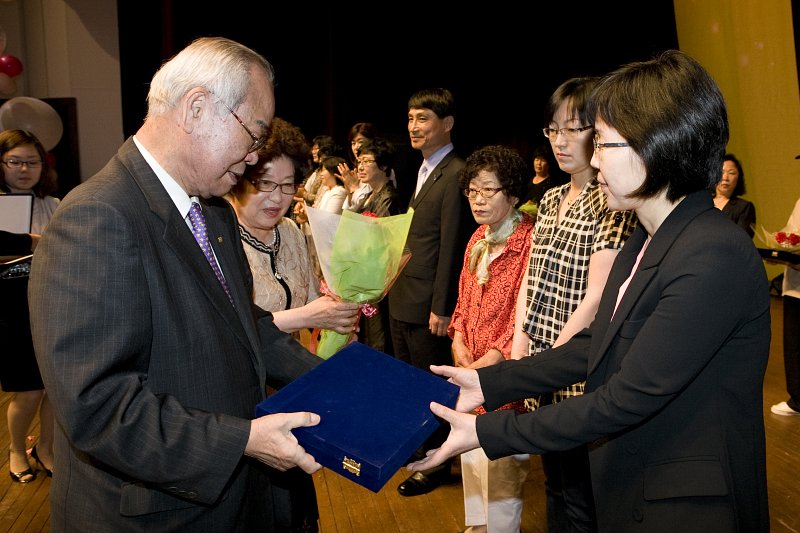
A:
{"points": [[34, 115]]}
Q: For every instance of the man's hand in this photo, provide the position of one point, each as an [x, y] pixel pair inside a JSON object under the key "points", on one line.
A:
{"points": [[272, 442], [438, 324]]}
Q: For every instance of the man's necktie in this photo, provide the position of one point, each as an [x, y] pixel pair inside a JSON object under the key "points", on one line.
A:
{"points": [[423, 173], [200, 232]]}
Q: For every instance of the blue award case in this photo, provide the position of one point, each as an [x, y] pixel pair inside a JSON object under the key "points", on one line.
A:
{"points": [[374, 409]]}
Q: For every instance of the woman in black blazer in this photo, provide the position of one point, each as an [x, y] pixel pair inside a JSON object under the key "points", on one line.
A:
{"points": [[727, 194], [674, 361]]}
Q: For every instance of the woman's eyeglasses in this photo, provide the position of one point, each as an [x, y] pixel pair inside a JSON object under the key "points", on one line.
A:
{"points": [[16, 163], [269, 186], [486, 192], [568, 133], [598, 146]]}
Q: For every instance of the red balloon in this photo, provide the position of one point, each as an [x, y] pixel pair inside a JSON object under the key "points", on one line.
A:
{"points": [[10, 65]]}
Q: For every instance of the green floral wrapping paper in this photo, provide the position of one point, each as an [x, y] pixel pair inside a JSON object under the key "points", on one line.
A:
{"points": [[360, 257]]}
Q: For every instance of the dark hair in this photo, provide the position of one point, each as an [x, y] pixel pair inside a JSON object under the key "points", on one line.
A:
{"points": [[283, 139], [327, 145], [366, 129], [10, 139], [382, 150], [438, 100], [506, 163], [545, 152], [673, 116], [740, 188], [331, 164], [577, 92]]}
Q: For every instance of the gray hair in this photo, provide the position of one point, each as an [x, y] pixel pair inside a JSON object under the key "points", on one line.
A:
{"points": [[220, 65]]}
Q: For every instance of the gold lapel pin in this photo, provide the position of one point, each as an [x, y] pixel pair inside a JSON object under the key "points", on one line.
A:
{"points": [[219, 239]]}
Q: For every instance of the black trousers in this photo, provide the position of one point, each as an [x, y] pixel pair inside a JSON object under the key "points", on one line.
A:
{"points": [[569, 499], [416, 345]]}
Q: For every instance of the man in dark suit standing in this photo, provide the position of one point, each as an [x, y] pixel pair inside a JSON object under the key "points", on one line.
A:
{"points": [[142, 318], [423, 298]]}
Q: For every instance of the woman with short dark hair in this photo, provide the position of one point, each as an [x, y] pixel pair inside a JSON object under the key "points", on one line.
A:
{"points": [[727, 195]]}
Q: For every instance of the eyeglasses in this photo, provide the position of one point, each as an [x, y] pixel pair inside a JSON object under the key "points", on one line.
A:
{"points": [[16, 163], [569, 133], [486, 192], [365, 162], [269, 186], [258, 142], [598, 146]]}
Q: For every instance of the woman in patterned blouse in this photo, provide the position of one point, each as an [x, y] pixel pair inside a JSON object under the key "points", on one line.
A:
{"points": [[482, 326], [576, 241]]}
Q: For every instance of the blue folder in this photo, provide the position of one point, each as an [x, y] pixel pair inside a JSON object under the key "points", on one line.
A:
{"points": [[374, 412]]}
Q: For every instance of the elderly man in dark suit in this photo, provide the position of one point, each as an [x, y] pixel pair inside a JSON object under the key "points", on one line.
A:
{"points": [[150, 347], [423, 298]]}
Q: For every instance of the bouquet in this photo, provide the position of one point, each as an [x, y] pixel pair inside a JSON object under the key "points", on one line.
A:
{"points": [[530, 207], [784, 239], [360, 257]]}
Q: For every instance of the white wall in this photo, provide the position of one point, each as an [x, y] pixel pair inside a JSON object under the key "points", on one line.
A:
{"points": [[70, 48]]}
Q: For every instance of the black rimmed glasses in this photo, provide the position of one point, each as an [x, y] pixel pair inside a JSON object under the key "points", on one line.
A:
{"points": [[366, 162], [258, 142], [598, 146], [269, 186], [568, 133], [18, 163], [486, 192]]}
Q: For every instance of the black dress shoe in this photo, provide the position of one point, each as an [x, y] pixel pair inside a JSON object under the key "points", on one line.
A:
{"points": [[26, 476], [420, 483], [35, 456]]}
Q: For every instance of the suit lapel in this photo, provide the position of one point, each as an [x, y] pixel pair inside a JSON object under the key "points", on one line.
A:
{"points": [[658, 248], [178, 237], [225, 240], [433, 177]]}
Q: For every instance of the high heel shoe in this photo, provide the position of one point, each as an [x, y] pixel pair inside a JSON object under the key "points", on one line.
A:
{"points": [[21, 477], [35, 456]]}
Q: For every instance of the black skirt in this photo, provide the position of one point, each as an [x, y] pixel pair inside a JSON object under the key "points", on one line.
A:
{"points": [[19, 371]]}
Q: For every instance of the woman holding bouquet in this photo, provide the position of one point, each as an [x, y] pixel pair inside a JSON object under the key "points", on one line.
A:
{"points": [[374, 168], [284, 282], [482, 327]]}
